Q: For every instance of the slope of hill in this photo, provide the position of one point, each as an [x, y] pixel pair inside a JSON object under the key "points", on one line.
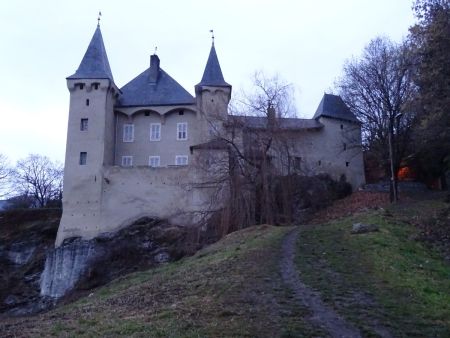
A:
{"points": [[385, 283]]}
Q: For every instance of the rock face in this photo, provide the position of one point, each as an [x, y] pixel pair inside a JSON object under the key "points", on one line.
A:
{"points": [[64, 266], [34, 275], [25, 238], [83, 264]]}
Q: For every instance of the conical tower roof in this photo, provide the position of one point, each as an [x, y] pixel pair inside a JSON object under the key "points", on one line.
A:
{"points": [[212, 76], [334, 107], [95, 64]]}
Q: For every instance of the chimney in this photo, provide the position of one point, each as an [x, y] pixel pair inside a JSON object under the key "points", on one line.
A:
{"points": [[154, 68]]}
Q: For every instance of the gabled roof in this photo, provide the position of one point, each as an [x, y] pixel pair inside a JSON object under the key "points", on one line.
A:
{"points": [[145, 91], [212, 76], [260, 122], [95, 64], [333, 106]]}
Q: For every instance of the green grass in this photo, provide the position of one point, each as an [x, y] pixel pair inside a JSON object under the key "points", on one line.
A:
{"points": [[230, 289], [384, 278]]}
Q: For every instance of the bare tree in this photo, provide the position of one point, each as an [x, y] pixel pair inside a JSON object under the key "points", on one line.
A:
{"points": [[254, 140], [5, 171], [378, 88], [37, 176]]}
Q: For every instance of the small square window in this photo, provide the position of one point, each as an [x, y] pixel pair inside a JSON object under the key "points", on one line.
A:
{"points": [[96, 86], [154, 161], [181, 160], [182, 131], [155, 131], [181, 112], [84, 124], [128, 132], [83, 158], [147, 113], [127, 161], [347, 164]]}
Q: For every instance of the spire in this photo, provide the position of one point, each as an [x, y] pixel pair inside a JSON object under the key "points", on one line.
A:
{"points": [[212, 75], [95, 64]]}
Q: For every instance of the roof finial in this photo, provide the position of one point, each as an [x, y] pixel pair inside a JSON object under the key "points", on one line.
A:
{"points": [[212, 35], [98, 18], [156, 49]]}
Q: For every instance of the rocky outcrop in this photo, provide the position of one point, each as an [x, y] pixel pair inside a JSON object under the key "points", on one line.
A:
{"points": [[35, 275], [25, 238], [83, 264]]}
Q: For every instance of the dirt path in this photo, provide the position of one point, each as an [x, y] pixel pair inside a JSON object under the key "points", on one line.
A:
{"points": [[322, 315]]}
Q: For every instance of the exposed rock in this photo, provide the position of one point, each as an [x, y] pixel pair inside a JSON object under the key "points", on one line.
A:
{"points": [[83, 264], [64, 266], [361, 228]]}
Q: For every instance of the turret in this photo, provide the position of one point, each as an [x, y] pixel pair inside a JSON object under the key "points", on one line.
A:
{"points": [[90, 138], [213, 93]]}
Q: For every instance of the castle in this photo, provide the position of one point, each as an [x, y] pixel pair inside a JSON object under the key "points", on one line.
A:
{"points": [[132, 151]]}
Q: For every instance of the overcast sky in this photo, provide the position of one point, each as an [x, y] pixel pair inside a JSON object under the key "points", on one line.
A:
{"points": [[305, 42]]}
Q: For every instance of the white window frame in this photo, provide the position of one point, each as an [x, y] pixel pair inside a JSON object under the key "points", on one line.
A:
{"points": [[158, 158], [181, 160], [128, 137], [182, 131], [127, 161], [155, 135]]}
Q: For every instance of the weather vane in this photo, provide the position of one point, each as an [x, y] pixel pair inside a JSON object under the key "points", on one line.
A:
{"points": [[156, 49], [98, 18], [212, 35]]}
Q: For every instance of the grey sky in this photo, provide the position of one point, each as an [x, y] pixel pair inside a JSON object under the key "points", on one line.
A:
{"points": [[305, 42]]}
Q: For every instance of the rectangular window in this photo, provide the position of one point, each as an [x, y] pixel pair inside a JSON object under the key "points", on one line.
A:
{"points": [[347, 164], [154, 161], [181, 160], [83, 158], [128, 132], [182, 131], [127, 161], [87, 102], [84, 124], [155, 131], [345, 146]]}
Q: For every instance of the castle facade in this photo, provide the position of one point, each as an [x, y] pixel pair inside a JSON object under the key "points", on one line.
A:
{"points": [[134, 151]]}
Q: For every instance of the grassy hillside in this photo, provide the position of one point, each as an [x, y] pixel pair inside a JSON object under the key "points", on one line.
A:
{"points": [[387, 278], [386, 283], [233, 288]]}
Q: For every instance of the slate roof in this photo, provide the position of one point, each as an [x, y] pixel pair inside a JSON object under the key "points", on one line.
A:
{"points": [[257, 122], [217, 144], [141, 91], [95, 64], [212, 76], [333, 106]]}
